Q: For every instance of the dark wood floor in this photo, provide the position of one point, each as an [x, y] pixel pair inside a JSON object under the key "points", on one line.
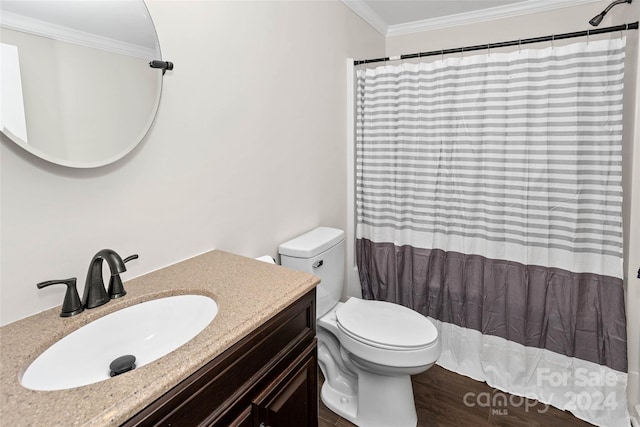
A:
{"points": [[440, 402]]}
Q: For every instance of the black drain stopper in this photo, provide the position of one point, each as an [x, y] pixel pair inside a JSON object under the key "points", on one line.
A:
{"points": [[122, 364]]}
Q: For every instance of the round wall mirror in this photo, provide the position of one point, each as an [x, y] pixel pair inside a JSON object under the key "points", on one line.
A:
{"points": [[76, 87]]}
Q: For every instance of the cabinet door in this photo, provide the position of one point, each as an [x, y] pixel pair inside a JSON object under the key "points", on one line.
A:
{"points": [[291, 400]]}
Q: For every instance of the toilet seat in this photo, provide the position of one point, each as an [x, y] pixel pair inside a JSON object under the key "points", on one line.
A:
{"points": [[385, 325]]}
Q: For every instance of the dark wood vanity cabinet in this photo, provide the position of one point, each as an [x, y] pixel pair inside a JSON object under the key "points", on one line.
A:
{"points": [[269, 378]]}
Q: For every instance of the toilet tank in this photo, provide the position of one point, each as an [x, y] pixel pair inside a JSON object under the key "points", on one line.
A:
{"points": [[321, 253]]}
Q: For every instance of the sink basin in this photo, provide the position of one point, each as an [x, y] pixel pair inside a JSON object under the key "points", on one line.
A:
{"points": [[147, 331]]}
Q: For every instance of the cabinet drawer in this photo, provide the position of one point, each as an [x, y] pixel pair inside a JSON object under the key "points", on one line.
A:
{"points": [[221, 389]]}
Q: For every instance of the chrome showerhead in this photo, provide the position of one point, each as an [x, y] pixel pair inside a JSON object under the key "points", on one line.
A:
{"points": [[596, 20]]}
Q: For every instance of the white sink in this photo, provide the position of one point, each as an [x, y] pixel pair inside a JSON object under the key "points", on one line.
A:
{"points": [[147, 331]]}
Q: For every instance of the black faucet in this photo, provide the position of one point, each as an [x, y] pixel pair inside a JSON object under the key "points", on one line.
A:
{"points": [[95, 293], [71, 305]]}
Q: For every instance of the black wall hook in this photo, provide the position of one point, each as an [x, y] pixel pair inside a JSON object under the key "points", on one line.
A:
{"points": [[163, 65]]}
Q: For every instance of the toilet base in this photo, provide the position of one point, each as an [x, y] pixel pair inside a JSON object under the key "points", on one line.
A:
{"points": [[382, 401], [342, 404]]}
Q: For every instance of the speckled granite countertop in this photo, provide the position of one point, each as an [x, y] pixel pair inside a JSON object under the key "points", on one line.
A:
{"points": [[248, 293]]}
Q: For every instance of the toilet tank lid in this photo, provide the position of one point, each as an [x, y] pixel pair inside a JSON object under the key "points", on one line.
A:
{"points": [[312, 243]]}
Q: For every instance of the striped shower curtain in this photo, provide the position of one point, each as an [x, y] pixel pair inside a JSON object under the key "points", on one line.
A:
{"points": [[489, 198]]}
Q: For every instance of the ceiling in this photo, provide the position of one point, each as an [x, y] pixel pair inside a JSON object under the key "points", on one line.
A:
{"points": [[393, 17]]}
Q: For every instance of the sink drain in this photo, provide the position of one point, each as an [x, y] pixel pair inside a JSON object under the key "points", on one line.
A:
{"points": [[122, 364]]}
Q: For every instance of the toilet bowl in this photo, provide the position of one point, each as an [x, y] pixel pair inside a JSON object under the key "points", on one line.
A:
{"points": [[367, 350]]}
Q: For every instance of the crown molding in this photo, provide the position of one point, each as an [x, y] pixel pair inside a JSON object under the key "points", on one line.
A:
{"points": [[16, 22], [516, 9], [363, 10]]}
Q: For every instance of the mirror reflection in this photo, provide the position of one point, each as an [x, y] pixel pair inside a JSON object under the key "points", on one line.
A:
{"points": [[76, 86]]}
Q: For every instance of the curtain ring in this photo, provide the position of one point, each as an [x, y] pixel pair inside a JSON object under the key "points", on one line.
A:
{"points": [[442, 55], [553, 39], [461, 52], [519, 45], [588, 34], [488, 49]]}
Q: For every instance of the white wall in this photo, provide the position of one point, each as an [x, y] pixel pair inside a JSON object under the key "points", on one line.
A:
{"points": [[246, 152], [565, 20]]}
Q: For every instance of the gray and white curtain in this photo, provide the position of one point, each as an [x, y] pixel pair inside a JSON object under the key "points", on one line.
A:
{"points": [[489, 198]]}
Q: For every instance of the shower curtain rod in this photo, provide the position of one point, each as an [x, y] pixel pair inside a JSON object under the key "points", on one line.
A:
{"points": [[623, 27]]}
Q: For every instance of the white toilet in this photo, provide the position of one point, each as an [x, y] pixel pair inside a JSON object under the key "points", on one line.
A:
{"points": [[367, 350]]}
